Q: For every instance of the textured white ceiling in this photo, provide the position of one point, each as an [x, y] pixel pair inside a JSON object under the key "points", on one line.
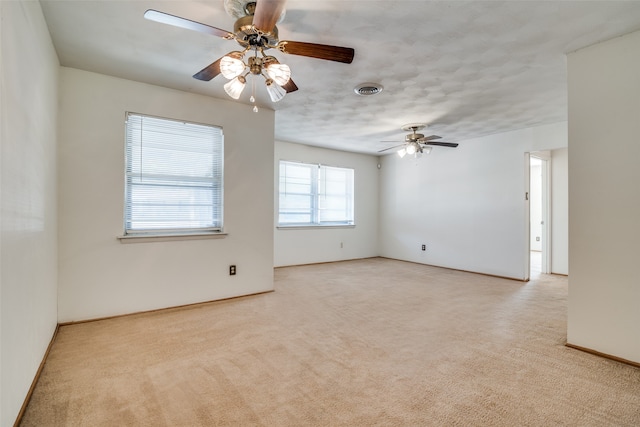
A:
{"points": [[468, 68]]}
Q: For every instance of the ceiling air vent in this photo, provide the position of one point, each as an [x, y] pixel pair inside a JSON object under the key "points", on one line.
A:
{"points": [[367, 89]]}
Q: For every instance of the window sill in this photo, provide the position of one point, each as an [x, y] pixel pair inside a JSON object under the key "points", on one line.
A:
{"points": [[304, 227], [139, 238]]}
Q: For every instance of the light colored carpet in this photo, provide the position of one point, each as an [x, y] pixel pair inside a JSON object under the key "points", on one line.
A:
{"points": [[373, 342]]}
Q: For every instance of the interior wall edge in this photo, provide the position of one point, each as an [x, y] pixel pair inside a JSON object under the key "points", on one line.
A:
{"points": [[36, 377]]}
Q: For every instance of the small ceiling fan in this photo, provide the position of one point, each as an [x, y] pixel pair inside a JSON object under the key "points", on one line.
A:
{"points": [[256, 32], [416, 143]]}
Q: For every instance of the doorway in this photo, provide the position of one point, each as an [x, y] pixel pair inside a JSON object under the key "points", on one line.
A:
{"points": [[539, 213]]}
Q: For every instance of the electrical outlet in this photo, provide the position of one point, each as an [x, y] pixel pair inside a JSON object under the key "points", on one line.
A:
{"points": [[232, 270], [424, 247]]}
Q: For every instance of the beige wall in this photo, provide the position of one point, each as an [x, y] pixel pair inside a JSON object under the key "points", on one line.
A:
{"points": [[99, 275], [311, 245], [604, 197], [28, 248], [467, 204]]}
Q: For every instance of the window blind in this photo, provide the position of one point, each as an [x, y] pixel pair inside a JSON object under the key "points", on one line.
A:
{"points": [[312, 195], [173, 175]]}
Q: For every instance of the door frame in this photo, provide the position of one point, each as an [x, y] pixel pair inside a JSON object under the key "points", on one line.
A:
{"points": [[545, 158], [527, 217]]}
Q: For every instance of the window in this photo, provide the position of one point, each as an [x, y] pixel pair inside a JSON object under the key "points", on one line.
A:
{"points": [[315, 195], [173, 177]]}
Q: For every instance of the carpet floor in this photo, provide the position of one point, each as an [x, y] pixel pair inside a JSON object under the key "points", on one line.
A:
{"points": [[372, 342]]}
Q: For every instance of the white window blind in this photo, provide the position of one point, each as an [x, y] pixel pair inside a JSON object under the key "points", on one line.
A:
{"points": [[173, 176], [315, 195]]}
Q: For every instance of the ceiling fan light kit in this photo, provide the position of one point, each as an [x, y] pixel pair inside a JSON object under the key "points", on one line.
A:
{"points": [[277, 75], [235, 86], [255, 30], [414, 149], [280, 73], [231, 65], [276, 92]]}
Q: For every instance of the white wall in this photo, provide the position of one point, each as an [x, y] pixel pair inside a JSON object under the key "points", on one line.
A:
{"points": [[313, 245], [99, 275], [28, 248], [466, 204], [560, 211], [604, 197]]}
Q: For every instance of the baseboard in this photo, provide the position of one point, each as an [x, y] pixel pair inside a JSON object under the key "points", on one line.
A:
{"points": [[458, 269], [324, 262], [404, 260], [35, 379], [175, 307], [605, 355]]}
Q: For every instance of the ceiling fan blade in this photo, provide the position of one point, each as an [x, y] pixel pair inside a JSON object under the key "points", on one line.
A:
{"points": [[429, 138], [176, 21], [267, 14], [442, 144], [290, 86], [391, 148], [320, 51], [209, 72]]}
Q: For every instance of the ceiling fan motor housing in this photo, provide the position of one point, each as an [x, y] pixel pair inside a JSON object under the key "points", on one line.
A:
{"points": [[412, 137], [246, 35]]}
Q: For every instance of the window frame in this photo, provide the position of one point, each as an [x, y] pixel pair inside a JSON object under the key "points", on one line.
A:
{"points": [[315, 195], [216, 183]]}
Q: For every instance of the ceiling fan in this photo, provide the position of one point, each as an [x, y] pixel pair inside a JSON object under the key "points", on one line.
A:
{"points": [[256, 32], [416, 143]]}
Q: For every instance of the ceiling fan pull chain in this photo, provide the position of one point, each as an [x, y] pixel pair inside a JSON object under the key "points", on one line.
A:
{"points": [[252, 99]]}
